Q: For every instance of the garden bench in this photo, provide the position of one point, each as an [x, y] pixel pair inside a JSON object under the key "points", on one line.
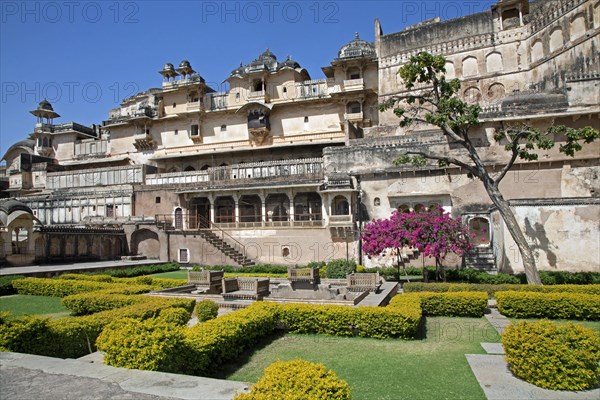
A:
{"points": [[245, 288], [360, 282], [310, 275], [211, 281]]}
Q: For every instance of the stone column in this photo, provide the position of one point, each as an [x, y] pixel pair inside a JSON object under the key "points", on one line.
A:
{"points": [[324, 208], [291, 211], [236, 210], [263, 209]]}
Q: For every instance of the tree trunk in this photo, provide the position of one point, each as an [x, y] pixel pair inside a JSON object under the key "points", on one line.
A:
{"points": [[531, 272]]}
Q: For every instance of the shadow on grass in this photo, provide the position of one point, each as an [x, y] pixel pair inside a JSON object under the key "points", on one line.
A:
{"points": [[422, 329], [231, 367]]}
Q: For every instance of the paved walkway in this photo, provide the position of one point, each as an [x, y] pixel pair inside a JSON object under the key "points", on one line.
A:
{"points": [[496, 380], [41, 269], [26, 377], [377, 299]]}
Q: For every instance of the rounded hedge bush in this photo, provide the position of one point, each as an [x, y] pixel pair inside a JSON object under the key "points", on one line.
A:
{"points": [[206, 310], [175, 315], [152, 344], [551, 356], [298, 379]]}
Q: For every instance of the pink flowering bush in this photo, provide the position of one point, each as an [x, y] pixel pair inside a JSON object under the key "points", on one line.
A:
{"points": [[434, 233]]}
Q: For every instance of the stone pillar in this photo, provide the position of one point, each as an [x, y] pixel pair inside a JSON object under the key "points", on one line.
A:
{"points": [[236, 210], [263, 209], [291, 211], [212, 209], [324, 208]]}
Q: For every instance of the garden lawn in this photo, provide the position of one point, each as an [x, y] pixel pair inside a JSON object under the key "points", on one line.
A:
{"points": [[20, 304], [431, 368], [181, 274]]}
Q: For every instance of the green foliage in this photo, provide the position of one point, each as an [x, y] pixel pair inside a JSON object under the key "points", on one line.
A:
{"points": [[66, 287], [206, 310], [6, 284], [473, 275], [73, 337], [153, 344], [549, 305], [557, 357], [373, 322], [449, 304], [92, 302], [139, 270], [84, 277], [261, 268], [213, 342], [298, 379], [565, 277], [338, 269], [175, 315], [491, 289]]}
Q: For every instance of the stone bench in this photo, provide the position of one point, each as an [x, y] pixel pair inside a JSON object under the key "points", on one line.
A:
{"points": [[310, 275], [245, 288], [210, 281], [366, 281]]}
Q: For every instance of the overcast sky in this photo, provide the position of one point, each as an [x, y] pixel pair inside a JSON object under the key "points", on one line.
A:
{"points": [[85, 57]]}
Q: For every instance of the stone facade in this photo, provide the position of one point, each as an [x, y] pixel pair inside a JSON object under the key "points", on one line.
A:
{"points": [[285, 169]]}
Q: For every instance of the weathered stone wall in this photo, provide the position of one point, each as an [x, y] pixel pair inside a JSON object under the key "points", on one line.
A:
{"points": [[564, 236]]}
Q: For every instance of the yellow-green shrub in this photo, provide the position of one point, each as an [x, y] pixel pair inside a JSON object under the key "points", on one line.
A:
{"points": [[491, 289], [549, 305], [558, 357], [83, 277], [298, 379], [66, 287], [374, 322], [73, 337], [206, 309], [175, 315], [92, 302], [211, 343], [153, 344], [449, 304]]}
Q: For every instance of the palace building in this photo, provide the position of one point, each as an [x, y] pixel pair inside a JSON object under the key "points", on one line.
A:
{"points": [[286, 169]]}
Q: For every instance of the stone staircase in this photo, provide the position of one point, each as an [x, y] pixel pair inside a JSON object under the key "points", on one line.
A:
{"points": [[481, 258], [226, 248]]}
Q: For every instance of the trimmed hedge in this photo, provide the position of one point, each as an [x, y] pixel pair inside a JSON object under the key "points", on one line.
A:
{"points": [[373, 322], [549, 305], [92, 302], [213, 342], [298, 379], [206, 310], [492, 289], [175, 315], [451, 304], [139, 270], [74, 337], [6, 284], [153, 344], [66, 287], [557, 357]]}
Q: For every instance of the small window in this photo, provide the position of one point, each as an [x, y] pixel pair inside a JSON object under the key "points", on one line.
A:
{"points": [[147, 131], [194, 130], [237, 96], [223, 128], [176, 131], [305, 119], [110, 211], [284, 90], [157, 200], [174, 105], [257, 85], [376, 202]]}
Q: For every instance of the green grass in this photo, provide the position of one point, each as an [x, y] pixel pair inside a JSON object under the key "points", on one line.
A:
{"points": [[20, 304], [432, 368], [181, 274]]}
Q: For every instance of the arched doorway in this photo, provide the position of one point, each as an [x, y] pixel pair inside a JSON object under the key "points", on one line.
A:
{"points": [[178, 219], [199, 213], [340, 206], [250, 208], [307, 207], [145, 242], [480, 228], [224, 210], [277, 206]]}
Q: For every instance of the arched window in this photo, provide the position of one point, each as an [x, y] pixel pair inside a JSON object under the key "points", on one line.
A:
{"points": [[340, 206], [353, 107], [376, 202], [404, 208]]}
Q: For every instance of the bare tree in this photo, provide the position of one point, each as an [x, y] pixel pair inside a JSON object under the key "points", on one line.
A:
{"points": [[435, 102]]}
